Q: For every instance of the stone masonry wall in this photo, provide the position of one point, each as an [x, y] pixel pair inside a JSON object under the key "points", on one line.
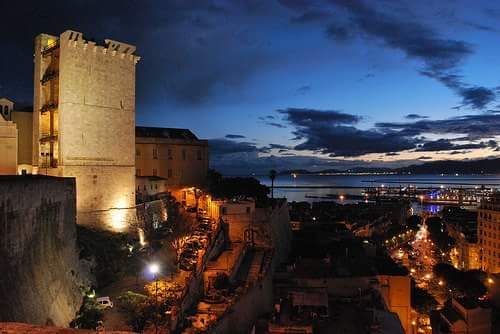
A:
{"points": [[94, 124], [41, 277]]}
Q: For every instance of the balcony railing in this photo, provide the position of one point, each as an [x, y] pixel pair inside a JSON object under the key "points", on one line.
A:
{"points": [[48, 137], [49, 75], [50, 47], [48, 107]]}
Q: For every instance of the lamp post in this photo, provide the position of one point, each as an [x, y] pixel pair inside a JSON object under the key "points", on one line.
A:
{"points": [[154, 269]]}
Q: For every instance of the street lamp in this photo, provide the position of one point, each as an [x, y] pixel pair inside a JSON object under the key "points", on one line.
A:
{"points": [[154, 269]]}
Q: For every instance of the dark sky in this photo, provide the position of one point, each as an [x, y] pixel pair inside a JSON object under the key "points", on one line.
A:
{"points": [[287, 84]]}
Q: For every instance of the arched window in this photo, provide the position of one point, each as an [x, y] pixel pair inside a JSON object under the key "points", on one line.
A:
{"points": [[6, 110]]}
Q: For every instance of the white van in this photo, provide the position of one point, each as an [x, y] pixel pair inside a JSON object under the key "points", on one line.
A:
{"points": [[105, 302]]}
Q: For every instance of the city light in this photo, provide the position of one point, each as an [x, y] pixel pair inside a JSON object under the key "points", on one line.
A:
{"points": [[154, 268], [490, 280]]}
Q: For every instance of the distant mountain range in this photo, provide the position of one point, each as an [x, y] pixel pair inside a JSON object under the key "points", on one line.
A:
{"points": [[484, 166]]}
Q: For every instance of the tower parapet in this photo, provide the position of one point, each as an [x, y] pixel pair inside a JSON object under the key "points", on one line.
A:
{"points": [[84, 126]]}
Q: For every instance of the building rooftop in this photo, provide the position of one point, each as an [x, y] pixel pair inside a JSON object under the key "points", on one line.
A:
{"points": [[150, 177], [170, 133]]}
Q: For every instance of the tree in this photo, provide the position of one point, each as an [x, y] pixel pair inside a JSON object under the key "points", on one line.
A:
{"points": [[272, 176], [231, 187], [88, 316], [421, 300], [178, 245], [136, 309]]}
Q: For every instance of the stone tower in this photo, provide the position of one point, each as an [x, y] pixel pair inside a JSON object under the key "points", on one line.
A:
{"points": [[84, 123]]}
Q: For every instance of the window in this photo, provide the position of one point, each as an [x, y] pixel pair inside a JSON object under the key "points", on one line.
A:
{"points": [[154, 172], [6, 110], [183, 154], [169, 173], [155, 153], [248, 210], [137, 152], [138, 172], [198, 154], [169, 154], [224, 210]]}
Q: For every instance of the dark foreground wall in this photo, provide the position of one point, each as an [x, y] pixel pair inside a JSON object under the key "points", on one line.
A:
{"points": [[39, 269]]}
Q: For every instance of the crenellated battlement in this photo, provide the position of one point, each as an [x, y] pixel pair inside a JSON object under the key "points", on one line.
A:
{"points": [[111, 47]]}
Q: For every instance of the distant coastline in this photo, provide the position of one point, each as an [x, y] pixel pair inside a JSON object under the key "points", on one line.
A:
{"points": [[445, 167]]}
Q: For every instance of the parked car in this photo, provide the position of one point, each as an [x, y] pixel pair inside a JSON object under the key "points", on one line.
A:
{"points": [[104, 302]]}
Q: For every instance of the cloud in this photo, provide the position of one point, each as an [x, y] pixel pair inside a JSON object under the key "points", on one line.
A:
{"points": [[230, 136], [310, 16], [306, 116], [448, 145], [276, 125], [479, 126], [224, 146], [479, 26], [332, 132], [459, 152], [415, 116], [440, 56], [339, 32], [335, 133], [303, 90]]}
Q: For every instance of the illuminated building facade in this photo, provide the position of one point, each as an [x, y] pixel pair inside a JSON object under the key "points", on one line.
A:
{"points": [[23, 119], [84, 123], [176, 155], [8, 140], [488, 222]]}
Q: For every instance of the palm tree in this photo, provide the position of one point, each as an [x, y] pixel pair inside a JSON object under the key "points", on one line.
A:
{"points": [[272, 176]]}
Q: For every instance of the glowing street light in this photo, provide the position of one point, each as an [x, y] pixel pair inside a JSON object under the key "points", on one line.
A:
{"points": [[154, 268], [490, 280]]}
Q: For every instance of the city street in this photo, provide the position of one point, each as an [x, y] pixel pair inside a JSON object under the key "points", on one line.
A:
{"points": [[419, 254]]}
